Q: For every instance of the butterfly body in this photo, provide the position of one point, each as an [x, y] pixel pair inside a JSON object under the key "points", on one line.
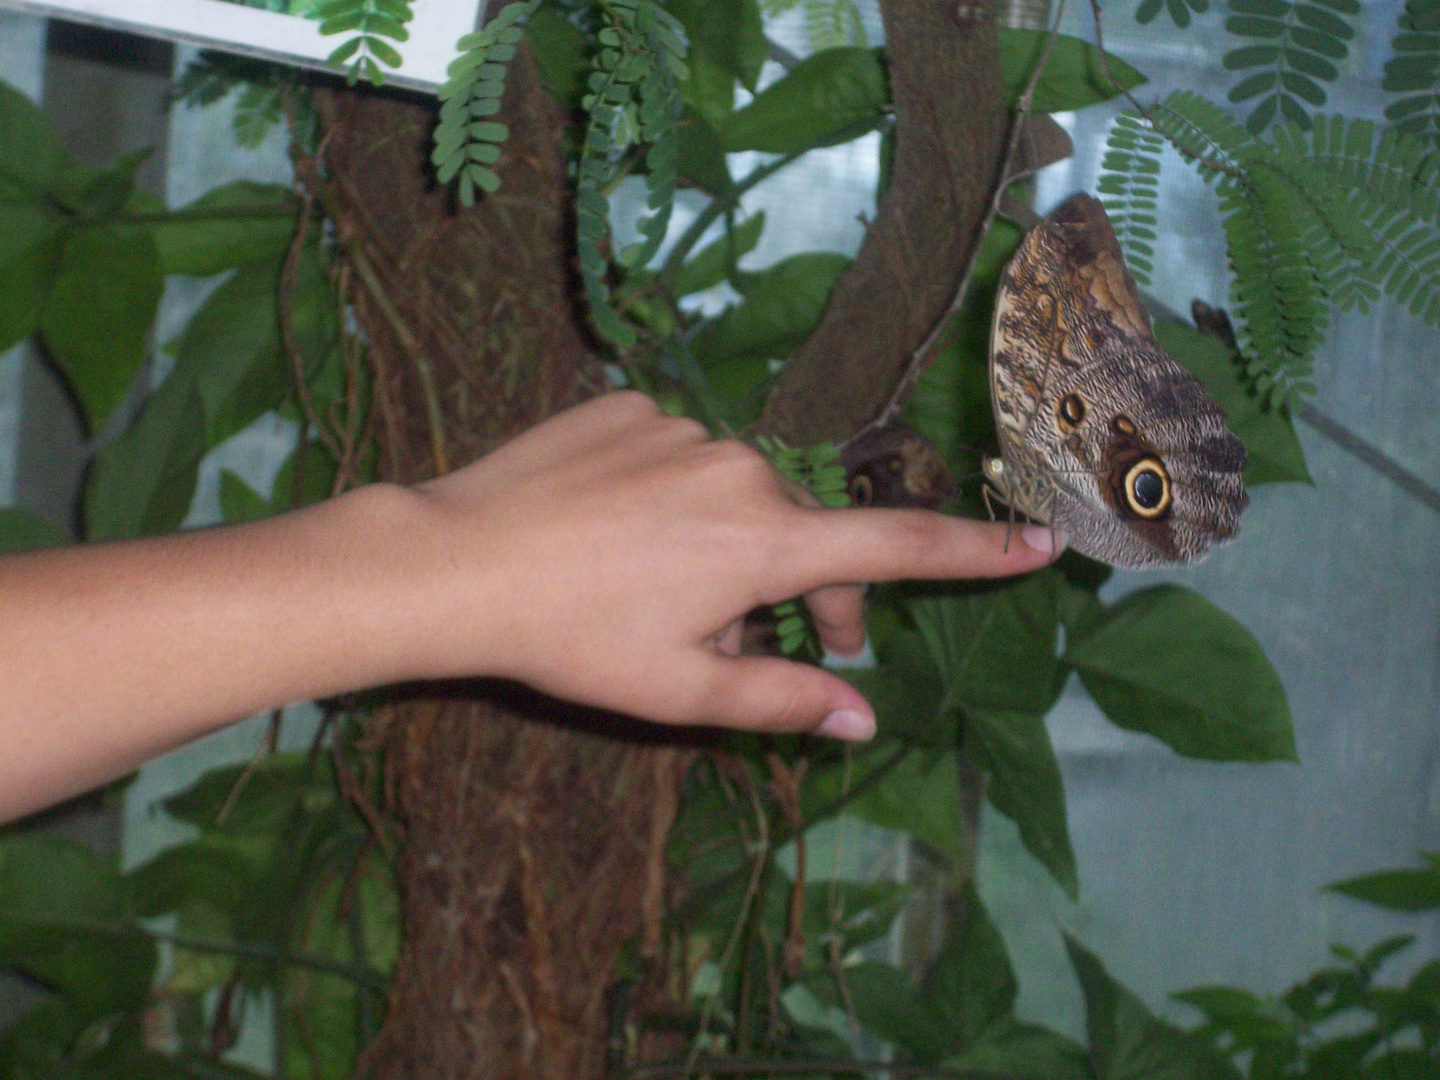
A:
{"points": [[1101, 433]]}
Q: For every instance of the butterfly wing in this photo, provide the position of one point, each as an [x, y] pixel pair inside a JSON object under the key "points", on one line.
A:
{"points": [[1129, 454]]}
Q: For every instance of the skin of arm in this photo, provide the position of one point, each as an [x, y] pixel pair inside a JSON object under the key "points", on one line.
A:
{"points": [[606, 556]]}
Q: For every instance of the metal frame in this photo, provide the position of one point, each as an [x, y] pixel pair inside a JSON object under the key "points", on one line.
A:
{"points": [[234, 28]]}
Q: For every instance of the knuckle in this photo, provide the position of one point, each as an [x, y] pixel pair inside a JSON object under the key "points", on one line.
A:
{"points": [[924, 536]]}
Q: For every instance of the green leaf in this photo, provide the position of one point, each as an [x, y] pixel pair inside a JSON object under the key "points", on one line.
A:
{"points": [[1013, 749], [1274, 450], [782, 305], [215, 233], [717, 261], [700, 159], [970, 986], [233, 350], [142, 483], [31, 239], [1025, 1051], [1072, 78], [1167, 662], [1127, 1042], [64, 918], [562, 52], [30, 151], [97, 318], [1397, 890], [20, 531], [822, 100], [886, 1002], [920, 796]]}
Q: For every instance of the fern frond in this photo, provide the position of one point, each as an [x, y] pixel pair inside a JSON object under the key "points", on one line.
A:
{"points": [[1413, 73], [633, 99], [832, 24], [1179, 10], [374, 21], [1130, 188], [467, 138], [1294, 47], [1394, 196]]}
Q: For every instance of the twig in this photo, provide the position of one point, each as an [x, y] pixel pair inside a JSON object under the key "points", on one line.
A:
{"points": [[287, 325], [267, 747], [1218, 166], [762, 857], [365, 977], [920, 355], [1370, 455]]}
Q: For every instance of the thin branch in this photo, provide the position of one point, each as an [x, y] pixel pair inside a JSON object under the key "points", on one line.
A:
{"points": [[920, 355], [762, 857], [371, 980], [1367, 453]]}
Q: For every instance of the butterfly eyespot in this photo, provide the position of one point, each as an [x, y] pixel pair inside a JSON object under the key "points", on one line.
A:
{"points": [[1072, 411], [1123, 425], [1097, 337], [1147, 488], [862, 491]]}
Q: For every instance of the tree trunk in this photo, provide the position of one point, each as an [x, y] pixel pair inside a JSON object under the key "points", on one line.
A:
{"points": [[535, 834]]}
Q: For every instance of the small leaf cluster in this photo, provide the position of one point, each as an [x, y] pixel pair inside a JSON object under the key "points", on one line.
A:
{"points": [[1340, 1022], [467, 138], [818, 470], [1295, 46], [1413, 73], [1180, 11], [1331, 213], [828, 23], [633, 101], [1130, 189], [377, 23]]}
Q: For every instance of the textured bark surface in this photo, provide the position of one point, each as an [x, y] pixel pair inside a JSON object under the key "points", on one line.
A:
{"points": [[533, 844], [950, 115], [535, 835]]}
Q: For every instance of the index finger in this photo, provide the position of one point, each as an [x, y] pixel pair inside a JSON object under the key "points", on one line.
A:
{"points": [[857, 545]]}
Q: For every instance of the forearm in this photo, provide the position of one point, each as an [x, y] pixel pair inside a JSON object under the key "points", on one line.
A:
{"points": [[115, 653]]}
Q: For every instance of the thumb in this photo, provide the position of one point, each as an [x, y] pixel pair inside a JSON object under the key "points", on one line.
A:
{"points": [[762, 693]]}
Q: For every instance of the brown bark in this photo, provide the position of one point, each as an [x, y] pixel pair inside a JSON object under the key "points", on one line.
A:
{"points": [[949, 97], [529, 850], [534, 835]]}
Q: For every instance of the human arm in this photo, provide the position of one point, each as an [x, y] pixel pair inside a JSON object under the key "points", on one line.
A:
{"points": [[606, 556]]}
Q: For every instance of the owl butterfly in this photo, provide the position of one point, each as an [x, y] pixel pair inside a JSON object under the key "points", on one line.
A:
{"points": [[1101, 434]]}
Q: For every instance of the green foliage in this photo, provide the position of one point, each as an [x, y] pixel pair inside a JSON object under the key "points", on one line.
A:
{"points": [[468, 139], [1295, 46], [827, 98], [376, 23], [1130, 188], [1339, 1022], [20, 531], [1073, 77], [1178, 10], [727, 46], [1413, 73], [1398, 890], [1127, 1040], [816, 469], [829, 24], [633, 100], [1137, 662]]}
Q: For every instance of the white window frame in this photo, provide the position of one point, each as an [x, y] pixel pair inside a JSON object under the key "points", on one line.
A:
{"points": [[247, 31]]}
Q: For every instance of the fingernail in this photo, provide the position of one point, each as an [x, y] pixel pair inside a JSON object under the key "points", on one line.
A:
{"points": [[863, 657], [847, 724], [1041, 538]]}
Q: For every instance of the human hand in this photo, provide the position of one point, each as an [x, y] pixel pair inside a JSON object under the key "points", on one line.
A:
{"points": [[608, 555]]}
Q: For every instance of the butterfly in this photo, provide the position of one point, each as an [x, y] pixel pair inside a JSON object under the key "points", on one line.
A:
{"points": [[1102, 435]]}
